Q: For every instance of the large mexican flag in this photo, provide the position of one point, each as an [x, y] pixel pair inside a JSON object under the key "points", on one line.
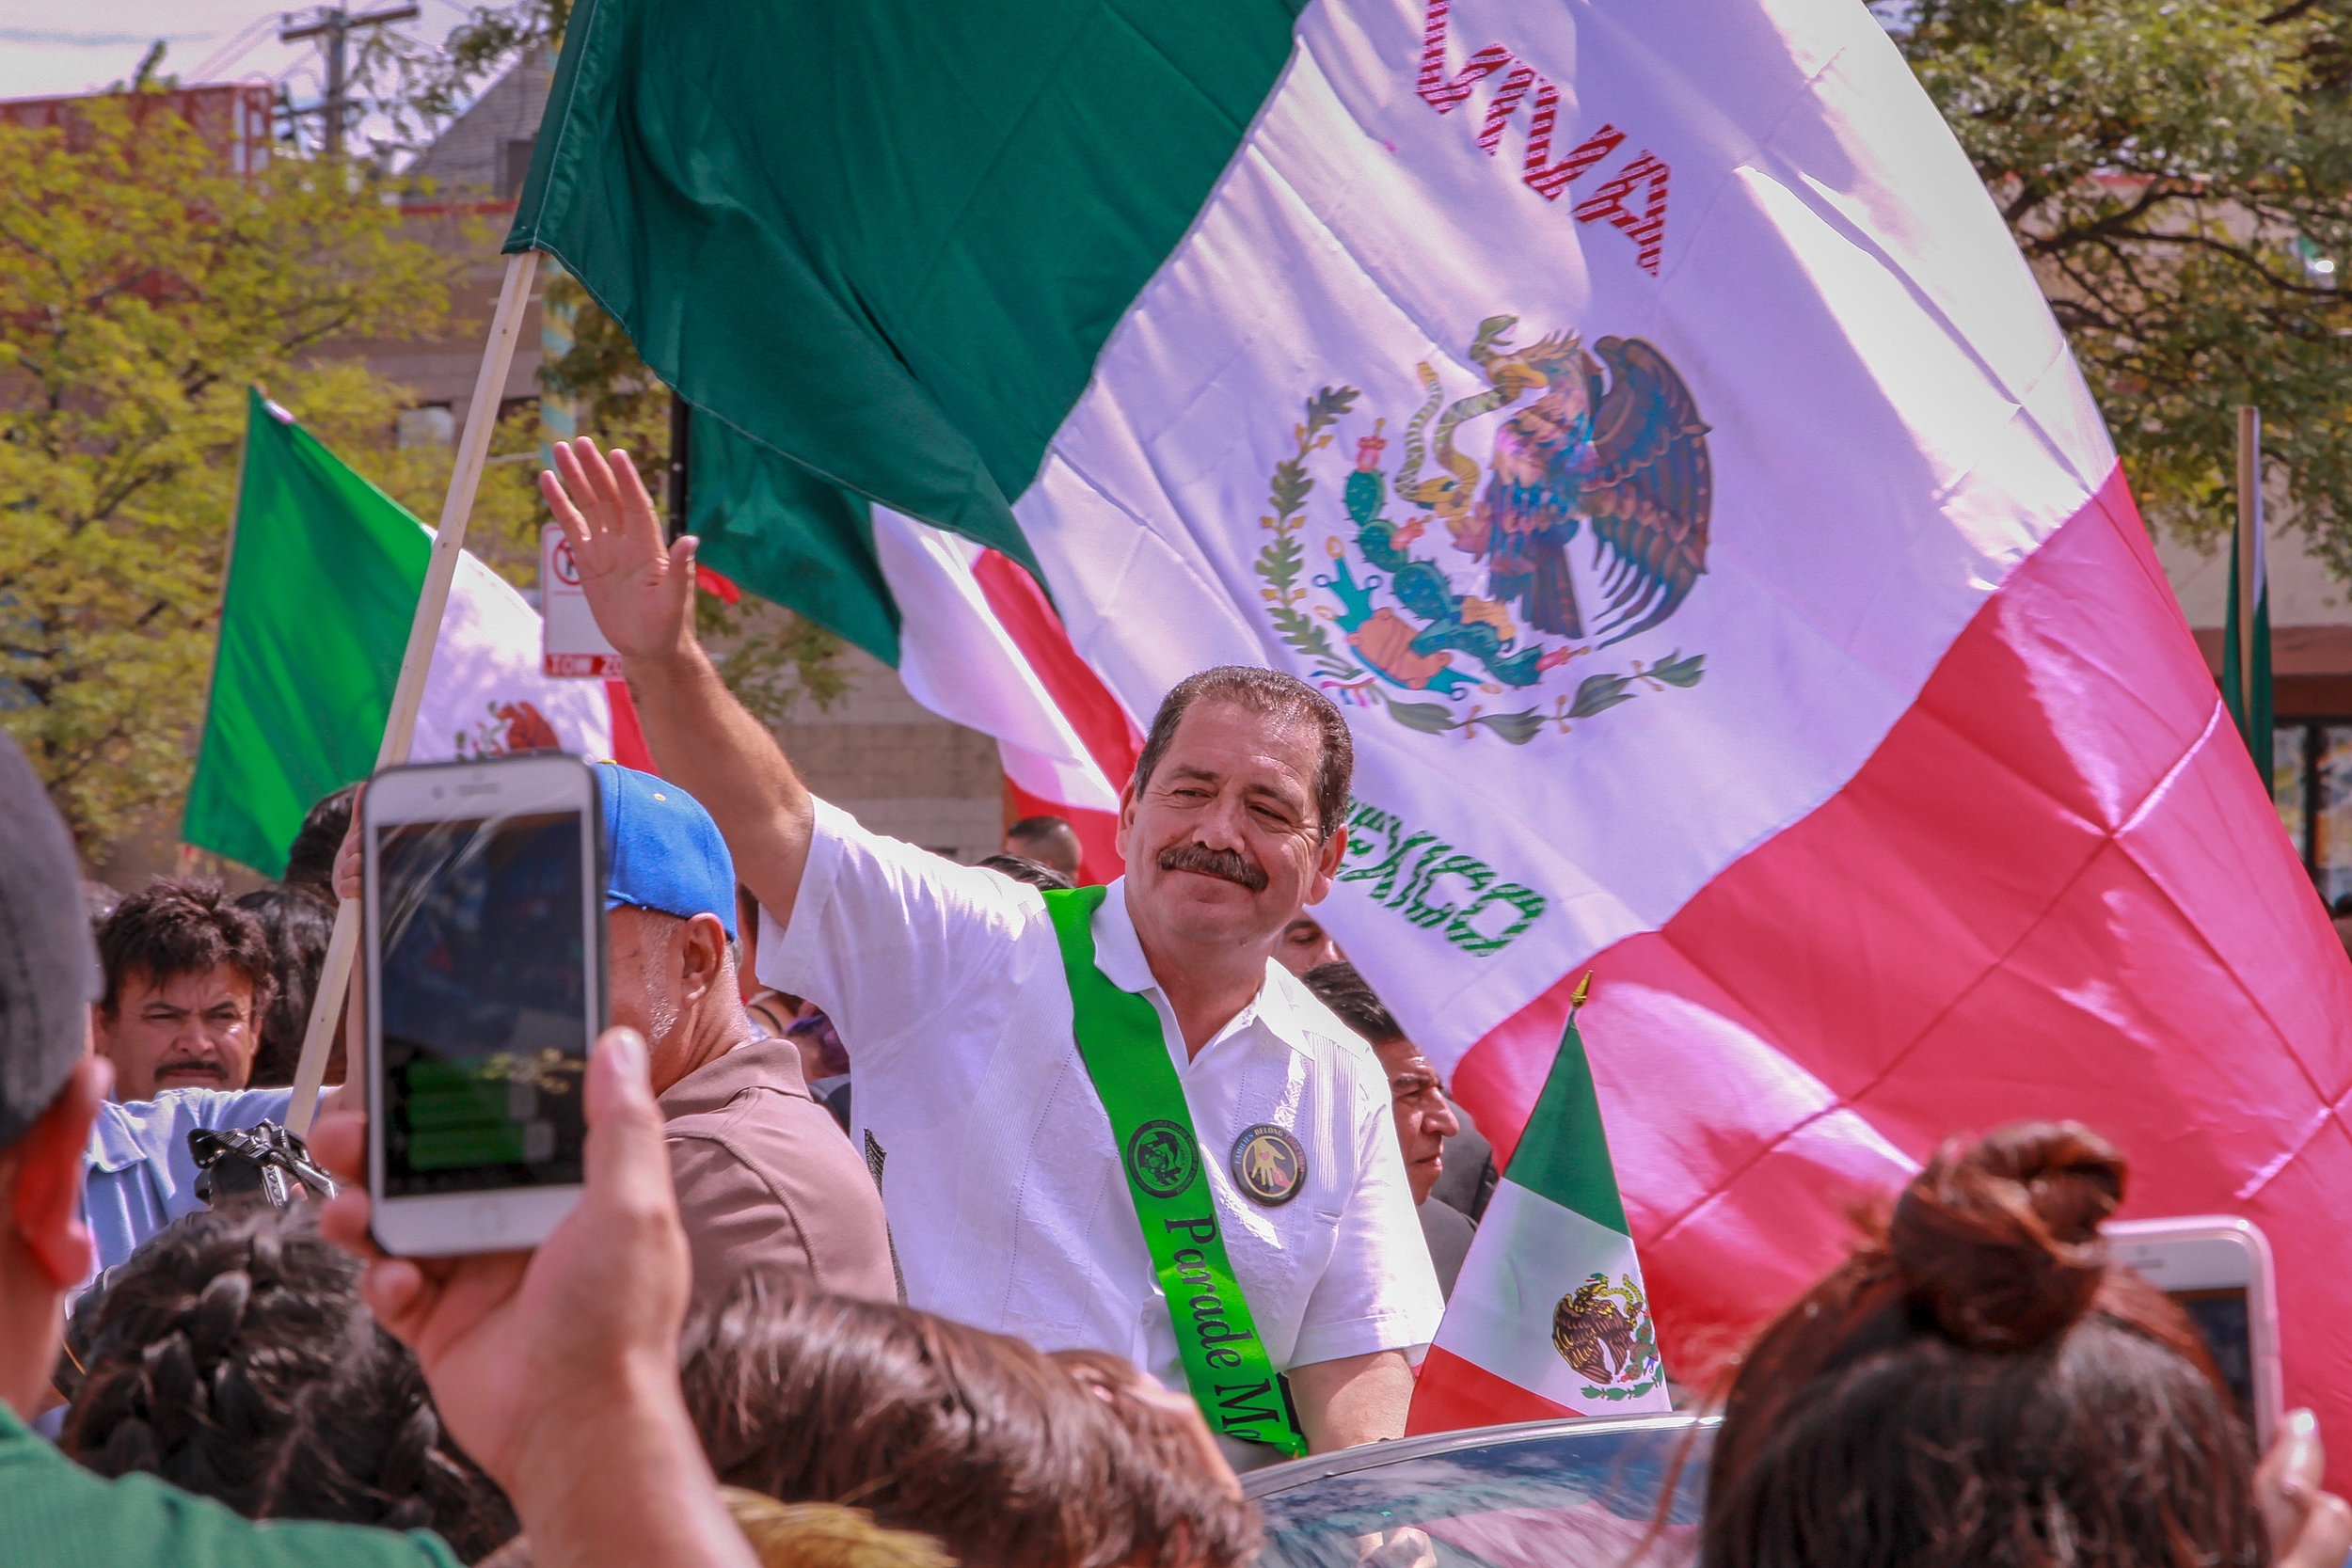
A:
{"points": [[1639, 417]]}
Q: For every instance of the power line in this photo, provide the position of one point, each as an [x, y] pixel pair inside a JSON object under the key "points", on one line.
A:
{"points": [[230, 52], [332, 25]]}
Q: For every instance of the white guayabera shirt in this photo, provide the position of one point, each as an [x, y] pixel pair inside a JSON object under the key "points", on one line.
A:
{"points": [[1006, 1195]]}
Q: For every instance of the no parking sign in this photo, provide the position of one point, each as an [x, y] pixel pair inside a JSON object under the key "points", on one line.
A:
{"points": [[574, 647]]}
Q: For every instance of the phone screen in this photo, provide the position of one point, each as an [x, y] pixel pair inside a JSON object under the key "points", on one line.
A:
{"points": [[485, 992], [2221, 1314]]}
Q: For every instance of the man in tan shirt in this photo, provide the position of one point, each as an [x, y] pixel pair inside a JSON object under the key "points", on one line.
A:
{"points": [[767, 1183]]}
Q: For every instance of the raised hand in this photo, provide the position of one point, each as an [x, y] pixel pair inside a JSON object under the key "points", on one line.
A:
{"points": [[640, 592]]}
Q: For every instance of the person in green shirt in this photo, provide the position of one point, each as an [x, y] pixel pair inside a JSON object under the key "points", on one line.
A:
{"points": [[561, 1386]]}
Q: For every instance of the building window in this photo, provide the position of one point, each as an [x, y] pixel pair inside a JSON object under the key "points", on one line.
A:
{"points": [[2310, 783]]}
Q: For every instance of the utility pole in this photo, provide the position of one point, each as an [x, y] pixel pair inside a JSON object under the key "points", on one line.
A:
{"points": [[334, 25]]}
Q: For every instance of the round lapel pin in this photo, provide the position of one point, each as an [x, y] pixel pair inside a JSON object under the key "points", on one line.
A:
{"points": [[1269, 1165]]}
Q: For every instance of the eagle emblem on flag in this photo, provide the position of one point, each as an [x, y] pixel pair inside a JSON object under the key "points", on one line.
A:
{"points": [[1455, 579], [1603, 1332]]}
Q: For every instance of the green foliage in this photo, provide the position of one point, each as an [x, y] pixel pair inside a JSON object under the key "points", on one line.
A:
{"points": [[770, 657], [142, 289], [2180, 177]]}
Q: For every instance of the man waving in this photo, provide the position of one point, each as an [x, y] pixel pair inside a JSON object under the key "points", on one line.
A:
{"points": [[1101, 1118]]}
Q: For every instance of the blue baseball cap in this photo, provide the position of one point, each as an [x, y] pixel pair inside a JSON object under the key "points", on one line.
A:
{"points": [[663, 851]]}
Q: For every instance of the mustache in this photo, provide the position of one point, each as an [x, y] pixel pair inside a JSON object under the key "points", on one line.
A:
{"points": [[212, 1070], [1228, 864]]}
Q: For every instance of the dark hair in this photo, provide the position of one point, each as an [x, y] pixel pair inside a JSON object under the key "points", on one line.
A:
{"points": [[1272, 692], [971, 1437], [1337, 986], [171, 927], [1039, 827], [311, 860], [233, 1357], [1174, 1498], [1980, 1384], [1023, 869], [297, 924]]}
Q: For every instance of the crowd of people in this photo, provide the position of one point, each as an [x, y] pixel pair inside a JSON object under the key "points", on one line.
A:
{"points": [[1140, 1187]]}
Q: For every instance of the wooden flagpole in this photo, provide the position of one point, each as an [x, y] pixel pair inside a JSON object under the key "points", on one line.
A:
{"points": [[474, 452]]}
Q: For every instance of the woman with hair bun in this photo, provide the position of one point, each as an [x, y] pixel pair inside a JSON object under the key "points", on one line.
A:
{"points": [[1980, 1384], [233, 1357]]}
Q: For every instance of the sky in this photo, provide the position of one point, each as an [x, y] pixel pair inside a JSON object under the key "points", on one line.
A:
{"points": [[48, 49]]}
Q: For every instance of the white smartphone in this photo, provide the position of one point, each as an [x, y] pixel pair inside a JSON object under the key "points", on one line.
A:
{"points": [[484, 936], [2218, 1267]]}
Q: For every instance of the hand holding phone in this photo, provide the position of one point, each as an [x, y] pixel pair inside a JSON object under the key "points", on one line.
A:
{"points": [[483, 898], [2309, 1528], [544, 1370]]}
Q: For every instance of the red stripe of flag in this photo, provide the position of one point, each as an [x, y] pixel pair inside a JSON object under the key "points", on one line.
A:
{"points": [[2058, 889]]}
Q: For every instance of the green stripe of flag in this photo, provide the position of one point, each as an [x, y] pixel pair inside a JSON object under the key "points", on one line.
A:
{"points": [[323, 584], [1564, 1154], [887, 241], [788, 536]]}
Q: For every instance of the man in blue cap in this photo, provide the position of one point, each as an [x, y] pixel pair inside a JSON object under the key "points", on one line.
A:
{"points": [[766, 1182]]}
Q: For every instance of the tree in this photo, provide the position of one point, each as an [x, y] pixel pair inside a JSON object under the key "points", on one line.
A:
{"points": [[2180, 177], [419, 87], [142, 287]]}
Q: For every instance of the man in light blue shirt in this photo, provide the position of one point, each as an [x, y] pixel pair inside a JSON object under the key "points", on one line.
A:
{"points": [[138, 1176]]}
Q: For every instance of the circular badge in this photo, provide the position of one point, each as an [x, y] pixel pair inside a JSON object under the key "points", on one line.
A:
{"points": [[1269, 1165], [1161, 1158]]}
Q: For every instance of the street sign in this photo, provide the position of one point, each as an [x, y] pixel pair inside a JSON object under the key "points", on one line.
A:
{"points": [[574, 645]]}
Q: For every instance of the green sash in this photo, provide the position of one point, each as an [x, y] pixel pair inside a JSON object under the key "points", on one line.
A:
{"points": [[1232, 1378]]}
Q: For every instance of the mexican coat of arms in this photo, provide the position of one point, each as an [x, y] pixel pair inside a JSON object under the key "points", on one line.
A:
{"points": [[1453, 581]]}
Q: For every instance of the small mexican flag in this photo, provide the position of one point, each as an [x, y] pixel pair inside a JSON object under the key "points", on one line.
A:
{"points": [[1549, 1317], [323, 583]]}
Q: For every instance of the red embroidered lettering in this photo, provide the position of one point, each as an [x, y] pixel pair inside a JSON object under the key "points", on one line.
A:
{"points": [[1445, 93], [1507, 99], [1592, 149], [1647, 228]]}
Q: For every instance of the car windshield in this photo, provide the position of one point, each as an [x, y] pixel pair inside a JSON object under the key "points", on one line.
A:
{"points": [[1557, 1495]]}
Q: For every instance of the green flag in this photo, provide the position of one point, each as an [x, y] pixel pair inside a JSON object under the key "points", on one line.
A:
{"points": [[323, 583]]}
